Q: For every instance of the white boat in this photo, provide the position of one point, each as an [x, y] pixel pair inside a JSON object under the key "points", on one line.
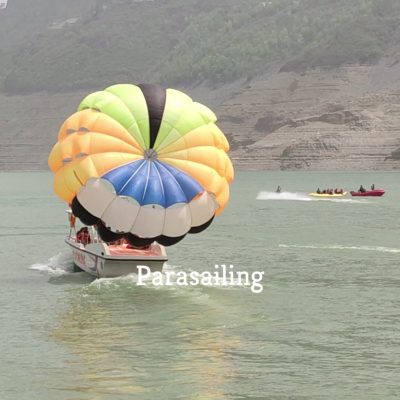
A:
{"points": [[104, 260]]}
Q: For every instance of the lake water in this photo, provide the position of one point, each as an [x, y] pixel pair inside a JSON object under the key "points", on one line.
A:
{"points": [[326, 325]]}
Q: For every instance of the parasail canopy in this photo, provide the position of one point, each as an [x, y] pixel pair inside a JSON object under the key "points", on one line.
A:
{"points": [[142, 162]]}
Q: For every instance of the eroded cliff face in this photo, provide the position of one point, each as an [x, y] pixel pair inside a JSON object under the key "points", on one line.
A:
{"points": [[342, 119], [29, 126]]}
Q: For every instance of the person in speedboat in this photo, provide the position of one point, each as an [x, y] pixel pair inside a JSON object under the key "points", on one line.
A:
{"points": [[373, 186], [362, 189]]}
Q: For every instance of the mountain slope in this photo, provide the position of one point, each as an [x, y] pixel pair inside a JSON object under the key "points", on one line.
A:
{"points": [[188, 41], [297, 84]]}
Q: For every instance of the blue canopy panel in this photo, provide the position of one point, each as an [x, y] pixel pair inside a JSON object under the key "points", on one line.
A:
{"points": [[153, 182], [121, 176]]}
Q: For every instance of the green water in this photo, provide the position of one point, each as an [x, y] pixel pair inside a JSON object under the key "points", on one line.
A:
{"points": [[326, 325]]}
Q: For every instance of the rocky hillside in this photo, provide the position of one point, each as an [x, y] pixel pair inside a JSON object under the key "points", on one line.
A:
{"points": [[310, 84], [346, 118]]}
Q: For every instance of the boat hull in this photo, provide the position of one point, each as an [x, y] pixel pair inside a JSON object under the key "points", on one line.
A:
{"points": [[327, 196], [369, 193], [97, 259]]}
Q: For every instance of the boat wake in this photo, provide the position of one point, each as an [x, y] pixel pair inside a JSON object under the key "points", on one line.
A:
{"points": [[340, 247], [60, 264], [264, 195], [169, 279], [295, 196]]}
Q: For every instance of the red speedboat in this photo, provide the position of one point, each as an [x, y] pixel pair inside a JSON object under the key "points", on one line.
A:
{"points": [[373, 193]]}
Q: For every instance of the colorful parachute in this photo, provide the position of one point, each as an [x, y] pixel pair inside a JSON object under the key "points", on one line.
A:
{"points": [[142, 162]]}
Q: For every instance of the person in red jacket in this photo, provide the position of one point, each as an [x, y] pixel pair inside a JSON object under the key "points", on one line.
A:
{"points": [[83, 236]]}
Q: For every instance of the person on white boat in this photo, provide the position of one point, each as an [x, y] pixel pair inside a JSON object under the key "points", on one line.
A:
{"points": [[83, 236], [72, 220]]}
